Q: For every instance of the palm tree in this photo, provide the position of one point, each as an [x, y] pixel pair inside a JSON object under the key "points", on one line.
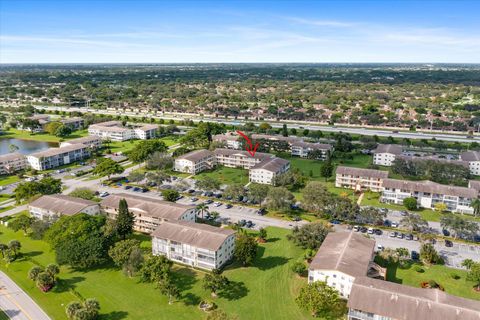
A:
{"points": [[3, 249], [203, 208], [53, 270], [476, 207], [15, 246]]}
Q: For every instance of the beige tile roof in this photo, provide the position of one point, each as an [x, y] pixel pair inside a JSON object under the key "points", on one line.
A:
{"points": [[84, 140], [223, 137], [241, 153], [389, 148], [315, 146], [11, 156], [257, 136], [147, 127], [402, 302], [195, 234], [347, 252], [147, 206], [475, 184], [56, 151], [370, 173], [431, 187], [62, 204]]}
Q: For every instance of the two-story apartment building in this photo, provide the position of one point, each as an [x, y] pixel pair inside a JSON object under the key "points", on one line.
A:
{"points": [[230, 139], [385, 154], [360, 179], [56, 205], [112, 130], [473, 159], [148, 212], [265, 171], [342, 257], [195, 161], [194, 244], [146, 131], [429, 193], [55, 157], [303, 149], [92, 142], [239, 159], [372, 299], [74, 122], [12, 162]]}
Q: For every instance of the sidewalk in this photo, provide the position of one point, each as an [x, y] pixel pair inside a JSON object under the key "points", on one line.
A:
{"points": [[16, 303]]}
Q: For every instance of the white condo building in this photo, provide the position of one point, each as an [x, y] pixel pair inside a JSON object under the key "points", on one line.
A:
{"points": [[473, 159], [92, 142], [385, 154], [266, 171], [195, 161], [148, 212], [12, 162], [56, 205], [230, 139], [342, 257], [115, 131], [56, 157], [360, 179], [303, 149], [194, 244], [428, 194]]}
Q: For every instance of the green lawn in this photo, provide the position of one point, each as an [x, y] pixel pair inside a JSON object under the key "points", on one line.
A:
{"points": [[170, 140], [265, 290], [4, 180], [441, 274], [21, 134], [123, 146], [226, 175], [3, 316]]}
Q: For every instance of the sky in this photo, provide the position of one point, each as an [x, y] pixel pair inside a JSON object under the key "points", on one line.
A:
{"points": [[121, 31]]}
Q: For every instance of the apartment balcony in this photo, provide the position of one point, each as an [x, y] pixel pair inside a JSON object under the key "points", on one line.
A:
{"points": [[354, 314]]}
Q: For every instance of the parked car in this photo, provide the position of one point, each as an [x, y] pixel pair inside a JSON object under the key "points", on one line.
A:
{"points": [[380, 247], [297, 218], [414, 255], [404, 213], [363, 229], [249, 224], [127, 187], [400, 235], [384, 210], [242, 222], [378, 232], [356, 228], [334, 221], [415, 237], [208, 201], [193, 199], [228, 206], [104, 194], [409, 236], [394, 224], [387, 223], [448, 243], [191, 191], [370, 231], [392, 234], [445, 232], [217, 204]]}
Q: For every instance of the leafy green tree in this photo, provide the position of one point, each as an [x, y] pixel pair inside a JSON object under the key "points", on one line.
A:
{"points": [[292, 179], [52, 269], [299, 268], [235, 191], [39, 227], [326, 170], [284, 130], [79, 240], [474, 275], [121, 251], [279, 198], [159, 161], [468, 263], [170, 195], [390, 255], [460, 227], [370, 215], [52, 127], [309, 236], [316, 197], [124, 220], [14, 246], [215, 282], [410, 203], [476, 207], [208, 184], [321, 300], [136, 176], [86, 310], [414, 222], [155, 268], [245, 248], [45, 281], [63, 131], [201, 136], [107, 167], [72, 309], [157, 177], [34, 272], [3, 249], [262, 233], [22, 222], [83, 193], [168, 288], [145, 148], [428, 254], [27, 190]]}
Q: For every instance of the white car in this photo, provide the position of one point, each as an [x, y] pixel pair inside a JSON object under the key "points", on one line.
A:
{"points": [[356, 228], [380, 247], [217, 204], [104, 194], [370, 230], [394, 224]]}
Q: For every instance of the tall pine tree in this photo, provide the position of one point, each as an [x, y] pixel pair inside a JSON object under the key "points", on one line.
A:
{"points": [[125, 220]]}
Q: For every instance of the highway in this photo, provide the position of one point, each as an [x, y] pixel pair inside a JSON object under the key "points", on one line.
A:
{"points": [[453, 137]]}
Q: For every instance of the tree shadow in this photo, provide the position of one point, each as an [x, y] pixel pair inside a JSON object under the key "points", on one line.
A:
{"points": [[63, 285], [11, 313], [270, 262], [191, 299], [184, 278], [114, 315], [235, 290], [31, 254], [271, 240]]}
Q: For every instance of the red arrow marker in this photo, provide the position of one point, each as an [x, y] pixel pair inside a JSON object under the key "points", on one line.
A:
{"points": [[249, 146]]}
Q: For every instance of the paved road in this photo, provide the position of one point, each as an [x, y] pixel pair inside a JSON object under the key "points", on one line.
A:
{"points": [[352, 130], [16, 303]]}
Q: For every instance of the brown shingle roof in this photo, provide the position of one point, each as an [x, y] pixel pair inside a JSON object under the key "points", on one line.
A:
{"points": [[147, 206], [389, 148], [273, 165], [431, 187], [470, 156], [402, 302], [347, 252], [196, 155], [11, 156], [370, 173], [195, 234], [62, 204]]}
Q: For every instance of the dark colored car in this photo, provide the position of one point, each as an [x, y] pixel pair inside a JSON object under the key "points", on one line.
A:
{"points": [[208, 201], [387, 223], [128, 187], [145, 190], [136, 189], [363, 229], [378, 232], [414, 255], [445, 232], [297, 218], [191, 191], [228, 206], [261, 211], [409, 236], [448, 243], [249, 224], [242, 222], [334, 222]]}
